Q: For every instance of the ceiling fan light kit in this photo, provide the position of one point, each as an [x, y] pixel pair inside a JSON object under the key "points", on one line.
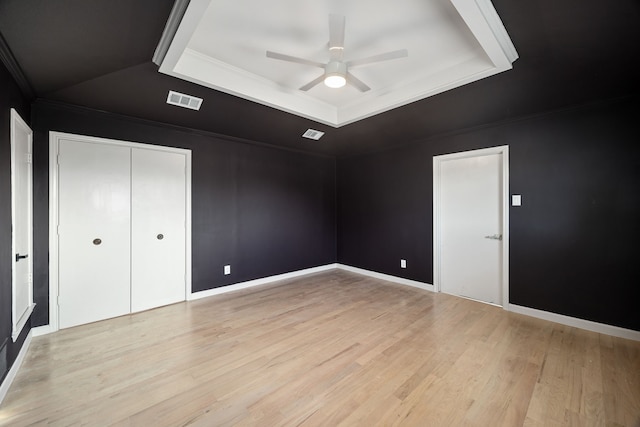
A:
{"points": [[335, 74]]}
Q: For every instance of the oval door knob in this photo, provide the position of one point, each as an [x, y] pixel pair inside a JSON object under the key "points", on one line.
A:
{"points": [[160, 236], [97, 241]]}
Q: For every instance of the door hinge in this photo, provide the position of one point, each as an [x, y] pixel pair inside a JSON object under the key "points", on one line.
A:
{"points": [[29, 158]]}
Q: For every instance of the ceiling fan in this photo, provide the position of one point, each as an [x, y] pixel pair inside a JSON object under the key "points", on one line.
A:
{"points": [[336, 71]]}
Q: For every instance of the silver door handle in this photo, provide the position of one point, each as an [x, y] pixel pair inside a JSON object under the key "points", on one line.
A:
{"points": [[494, 237]]}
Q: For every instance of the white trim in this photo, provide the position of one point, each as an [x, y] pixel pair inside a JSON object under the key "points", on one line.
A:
{"points": [[54, 142], [504, 150], [387, 277], [182, 60], [540, 314], [270, 279], [601, 328], [11, 375], [258, 282], [497, 27], [18, 324], [53, 232], [42, 330]]}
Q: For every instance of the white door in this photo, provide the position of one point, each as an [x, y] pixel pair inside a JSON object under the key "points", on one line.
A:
{"points": [[94, 232], [158, 220], [22, 223], [470, 219]]}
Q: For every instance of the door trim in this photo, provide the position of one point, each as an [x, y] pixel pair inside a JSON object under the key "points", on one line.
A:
{"points": [[54, 143], [437, 160], [18, 324]]}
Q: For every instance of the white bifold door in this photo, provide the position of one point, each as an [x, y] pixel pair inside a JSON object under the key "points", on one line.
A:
{"points": [[121, 230], [157, 228]]}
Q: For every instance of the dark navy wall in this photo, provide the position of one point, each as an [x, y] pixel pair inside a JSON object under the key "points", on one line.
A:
{"points": [[263, 210], [574, 242], [10, 97]]}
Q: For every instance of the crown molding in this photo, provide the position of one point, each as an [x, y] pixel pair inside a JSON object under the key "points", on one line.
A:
{"points": [[9, 61], [175, 17]]}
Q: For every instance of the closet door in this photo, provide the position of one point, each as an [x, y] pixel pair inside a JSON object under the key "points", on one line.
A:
{"points": [[94, 232], [158, 215]]}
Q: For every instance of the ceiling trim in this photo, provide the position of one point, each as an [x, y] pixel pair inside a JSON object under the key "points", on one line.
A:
{"points": [[92, 112], [170, 28], [499, 31], [9, 61], [495, 54]]}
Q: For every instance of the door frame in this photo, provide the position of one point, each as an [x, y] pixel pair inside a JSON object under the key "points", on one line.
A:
{"points": [[437, 216], [17, 324], [54, 143]]}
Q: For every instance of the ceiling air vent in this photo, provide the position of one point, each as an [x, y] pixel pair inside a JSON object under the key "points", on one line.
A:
{"points": [[182, 100], [313, 134]]}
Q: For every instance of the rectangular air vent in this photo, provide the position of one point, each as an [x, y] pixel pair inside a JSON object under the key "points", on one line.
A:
{"points": [[313, 134], [182, 100]]}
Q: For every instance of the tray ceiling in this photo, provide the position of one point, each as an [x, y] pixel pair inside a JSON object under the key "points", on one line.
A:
{"points": [[222, 44]]}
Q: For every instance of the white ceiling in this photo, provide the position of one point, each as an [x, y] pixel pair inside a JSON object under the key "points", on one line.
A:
{"points": [[222, 44]]}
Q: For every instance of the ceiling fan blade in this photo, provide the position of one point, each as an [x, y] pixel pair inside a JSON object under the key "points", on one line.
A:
{"points": [[402, 53], [312, 83], [357, 83], [336, 31], [283, 57]]}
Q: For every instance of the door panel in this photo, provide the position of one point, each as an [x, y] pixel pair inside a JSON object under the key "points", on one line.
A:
{"points": [[470, 210], [158, 258], [22, 222], [94, 232]]}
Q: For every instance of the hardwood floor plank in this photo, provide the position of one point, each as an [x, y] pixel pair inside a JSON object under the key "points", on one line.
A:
{"points": [[334, 348]]}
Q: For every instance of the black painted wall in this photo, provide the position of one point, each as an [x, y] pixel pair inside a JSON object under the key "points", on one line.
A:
{"points": [[268, 211], [264, 211], [10, 97], [574, 241]]}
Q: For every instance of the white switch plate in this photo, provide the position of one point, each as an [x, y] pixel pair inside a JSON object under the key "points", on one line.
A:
{"points": [[227, 269], [403, 263], [516, 200]]}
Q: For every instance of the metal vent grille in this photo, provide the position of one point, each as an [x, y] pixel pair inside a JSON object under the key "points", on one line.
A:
{"points": [[313, 134], [183, 100]]}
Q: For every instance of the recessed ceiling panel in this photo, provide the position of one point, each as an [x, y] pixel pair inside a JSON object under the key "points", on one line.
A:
{"points": [[222, 44]]}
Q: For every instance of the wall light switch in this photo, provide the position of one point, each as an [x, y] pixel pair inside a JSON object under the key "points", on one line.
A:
{"points": [[516, 200], [227, 269], [403, 263]]}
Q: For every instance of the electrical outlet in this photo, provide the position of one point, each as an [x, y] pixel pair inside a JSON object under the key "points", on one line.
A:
{"points": [[227, 269], [403, 263]]}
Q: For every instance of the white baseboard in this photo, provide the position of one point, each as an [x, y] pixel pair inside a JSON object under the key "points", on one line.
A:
{"points": [[258, 282], [42, 330], [11, 375], [540, 314], [270, 279], [387, 277], [588, 325]]}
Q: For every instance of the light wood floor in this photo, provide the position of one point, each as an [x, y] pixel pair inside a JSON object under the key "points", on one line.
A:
{"points": [[329, 349]]}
